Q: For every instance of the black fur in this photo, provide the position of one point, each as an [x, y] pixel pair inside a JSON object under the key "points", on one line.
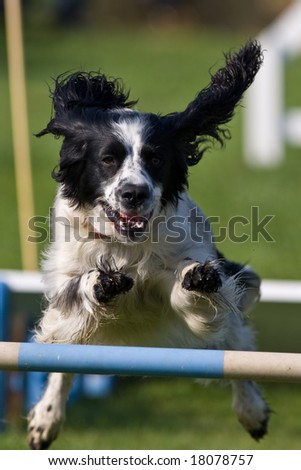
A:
{"points": [[83, 94], [109, 284], [203, 277], [87, 105], [70, 296], [214, 106]]}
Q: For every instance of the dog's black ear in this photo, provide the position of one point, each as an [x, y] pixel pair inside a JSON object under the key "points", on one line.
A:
{"points": [[82, 93], [203, 119]]}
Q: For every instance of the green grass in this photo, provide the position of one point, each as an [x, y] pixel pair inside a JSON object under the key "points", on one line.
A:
{"points": [[166, 70], [170, 414]]}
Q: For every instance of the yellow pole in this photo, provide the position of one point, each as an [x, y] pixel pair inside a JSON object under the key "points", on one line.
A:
{"points": [[14, 39]]}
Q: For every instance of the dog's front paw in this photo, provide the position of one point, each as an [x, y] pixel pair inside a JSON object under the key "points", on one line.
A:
{"points": [[109, 284], [202, 278]]}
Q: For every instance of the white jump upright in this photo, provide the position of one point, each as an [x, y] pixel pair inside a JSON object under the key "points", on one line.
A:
{"points": [[268, 125]]}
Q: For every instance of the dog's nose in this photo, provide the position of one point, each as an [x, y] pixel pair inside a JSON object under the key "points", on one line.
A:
{"points": [[133, 195]]}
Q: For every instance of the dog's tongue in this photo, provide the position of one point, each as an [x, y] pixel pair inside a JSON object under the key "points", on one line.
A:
{"points": [[127, 222], [134, 222]]}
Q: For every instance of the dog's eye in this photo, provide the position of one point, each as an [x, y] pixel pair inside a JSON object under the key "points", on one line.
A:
{"points": [[156, 161], [151, 157], [108, 160]]}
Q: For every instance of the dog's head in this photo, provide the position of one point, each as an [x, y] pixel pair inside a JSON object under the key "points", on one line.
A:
{"points": [[125, 165]]}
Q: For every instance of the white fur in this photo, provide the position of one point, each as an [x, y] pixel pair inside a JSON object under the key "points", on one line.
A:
{"points": [[131, 135]]}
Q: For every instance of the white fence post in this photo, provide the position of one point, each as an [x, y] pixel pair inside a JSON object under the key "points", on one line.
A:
{"points": [[267, 123], [263, 128]]}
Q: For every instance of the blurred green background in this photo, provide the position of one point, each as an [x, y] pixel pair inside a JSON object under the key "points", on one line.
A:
{"points": [[163, 51]]}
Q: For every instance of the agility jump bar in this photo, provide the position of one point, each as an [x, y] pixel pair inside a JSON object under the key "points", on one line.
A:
{"points": [[145, 361]]}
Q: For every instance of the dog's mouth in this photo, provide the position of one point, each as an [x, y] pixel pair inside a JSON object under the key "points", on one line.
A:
{"points": [[131, 225]]}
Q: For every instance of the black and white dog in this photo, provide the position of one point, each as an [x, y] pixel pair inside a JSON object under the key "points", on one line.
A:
{"points": [[126, 267]]}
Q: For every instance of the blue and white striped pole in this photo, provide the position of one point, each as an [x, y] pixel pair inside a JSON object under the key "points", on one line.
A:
{"points": [[160, 362]]}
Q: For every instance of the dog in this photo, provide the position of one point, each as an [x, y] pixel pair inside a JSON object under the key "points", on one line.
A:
{"points": [[133, 260]]}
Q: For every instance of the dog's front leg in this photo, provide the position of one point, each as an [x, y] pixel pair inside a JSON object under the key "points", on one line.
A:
{"points": [[109, 283], [201, 277], [78, 304], [196, 280], [47, 416], [201, 290], [86, 290]]}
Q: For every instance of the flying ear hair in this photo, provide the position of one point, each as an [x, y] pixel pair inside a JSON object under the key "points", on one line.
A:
{"points": [[214, 106], [88, 90], [80, 92], [83, 93]]}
